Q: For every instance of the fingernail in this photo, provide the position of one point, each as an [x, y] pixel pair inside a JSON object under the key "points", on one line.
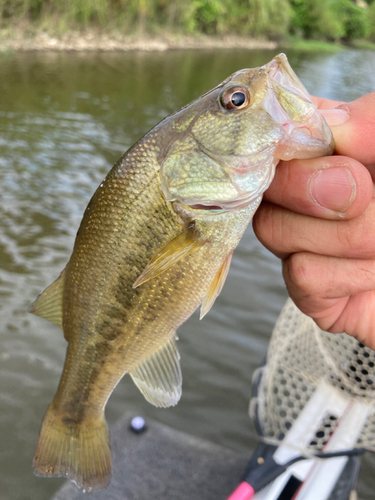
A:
{"points": [[336, 116], [334, 188]]}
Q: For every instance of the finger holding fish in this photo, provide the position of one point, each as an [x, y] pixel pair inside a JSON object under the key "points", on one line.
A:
{"points": [[325, 104], [285, 232], [328, 266], [333, 187], [338, 293], [354, 135], [328, 263]]}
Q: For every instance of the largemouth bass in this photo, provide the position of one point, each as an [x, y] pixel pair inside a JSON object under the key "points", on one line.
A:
{"points": [[155, 243]]}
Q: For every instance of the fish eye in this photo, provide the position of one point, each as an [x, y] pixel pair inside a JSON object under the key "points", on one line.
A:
{"points": [[235, 98]]}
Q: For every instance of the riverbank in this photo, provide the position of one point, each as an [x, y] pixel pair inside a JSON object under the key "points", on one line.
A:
{"points": [[91, 40], [16, 39]]}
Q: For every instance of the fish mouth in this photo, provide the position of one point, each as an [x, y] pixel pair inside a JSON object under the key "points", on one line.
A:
{"points": [[201, 206], [289, 104], [280, 72]]}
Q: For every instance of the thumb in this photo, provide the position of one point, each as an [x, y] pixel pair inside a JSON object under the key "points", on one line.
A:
{"points": [[353, 126]]}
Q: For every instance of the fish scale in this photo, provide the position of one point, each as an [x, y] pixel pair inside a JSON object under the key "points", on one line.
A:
{"points": [[155, 243]]}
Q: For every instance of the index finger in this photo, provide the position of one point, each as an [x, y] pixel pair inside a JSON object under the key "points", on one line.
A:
{"points": [[326, 103]]}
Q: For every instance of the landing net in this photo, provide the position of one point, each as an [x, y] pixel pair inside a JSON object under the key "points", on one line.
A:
{"points": [[300, 358]]}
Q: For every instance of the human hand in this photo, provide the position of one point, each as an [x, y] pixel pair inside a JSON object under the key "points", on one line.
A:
{"points": [[318, 216]]}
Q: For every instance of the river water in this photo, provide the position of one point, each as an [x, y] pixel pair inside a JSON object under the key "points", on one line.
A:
{"points": [[64, 120]]}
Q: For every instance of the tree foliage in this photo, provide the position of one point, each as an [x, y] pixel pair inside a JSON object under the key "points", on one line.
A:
{"points": [[371, 21], [314, 19], [329, 19]]}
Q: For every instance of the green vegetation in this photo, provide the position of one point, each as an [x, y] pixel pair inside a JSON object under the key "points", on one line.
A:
{"points": [[371, 21], [328, 20], [303, 45], [363, 45]]}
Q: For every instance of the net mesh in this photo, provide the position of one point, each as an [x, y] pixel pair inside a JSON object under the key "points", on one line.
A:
{"points": [[300, 356]]}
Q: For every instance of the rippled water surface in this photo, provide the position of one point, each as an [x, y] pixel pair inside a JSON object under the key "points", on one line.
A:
{"points": [[64, 120]]}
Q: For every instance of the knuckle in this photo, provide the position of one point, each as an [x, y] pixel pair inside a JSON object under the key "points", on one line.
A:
{"points": [[365, 275], [265, 224], [358, 234], [299, 274]]}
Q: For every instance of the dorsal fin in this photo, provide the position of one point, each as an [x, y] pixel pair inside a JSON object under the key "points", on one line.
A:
{"points": [[184, 244], [48, 304], [159, 377], [216, 286]]}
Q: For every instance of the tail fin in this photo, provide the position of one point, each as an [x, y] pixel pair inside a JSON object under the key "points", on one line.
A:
{"points": [[78, 451]]}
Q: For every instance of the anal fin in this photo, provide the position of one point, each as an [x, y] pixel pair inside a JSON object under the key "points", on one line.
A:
{"points": [[184, 244], [216, 286], [159, 377], [48, 304]]}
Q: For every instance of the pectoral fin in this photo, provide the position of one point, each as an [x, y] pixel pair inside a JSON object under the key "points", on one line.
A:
{"points": [[48, 305], [216, 286], [159, 377], [181, 246]]}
